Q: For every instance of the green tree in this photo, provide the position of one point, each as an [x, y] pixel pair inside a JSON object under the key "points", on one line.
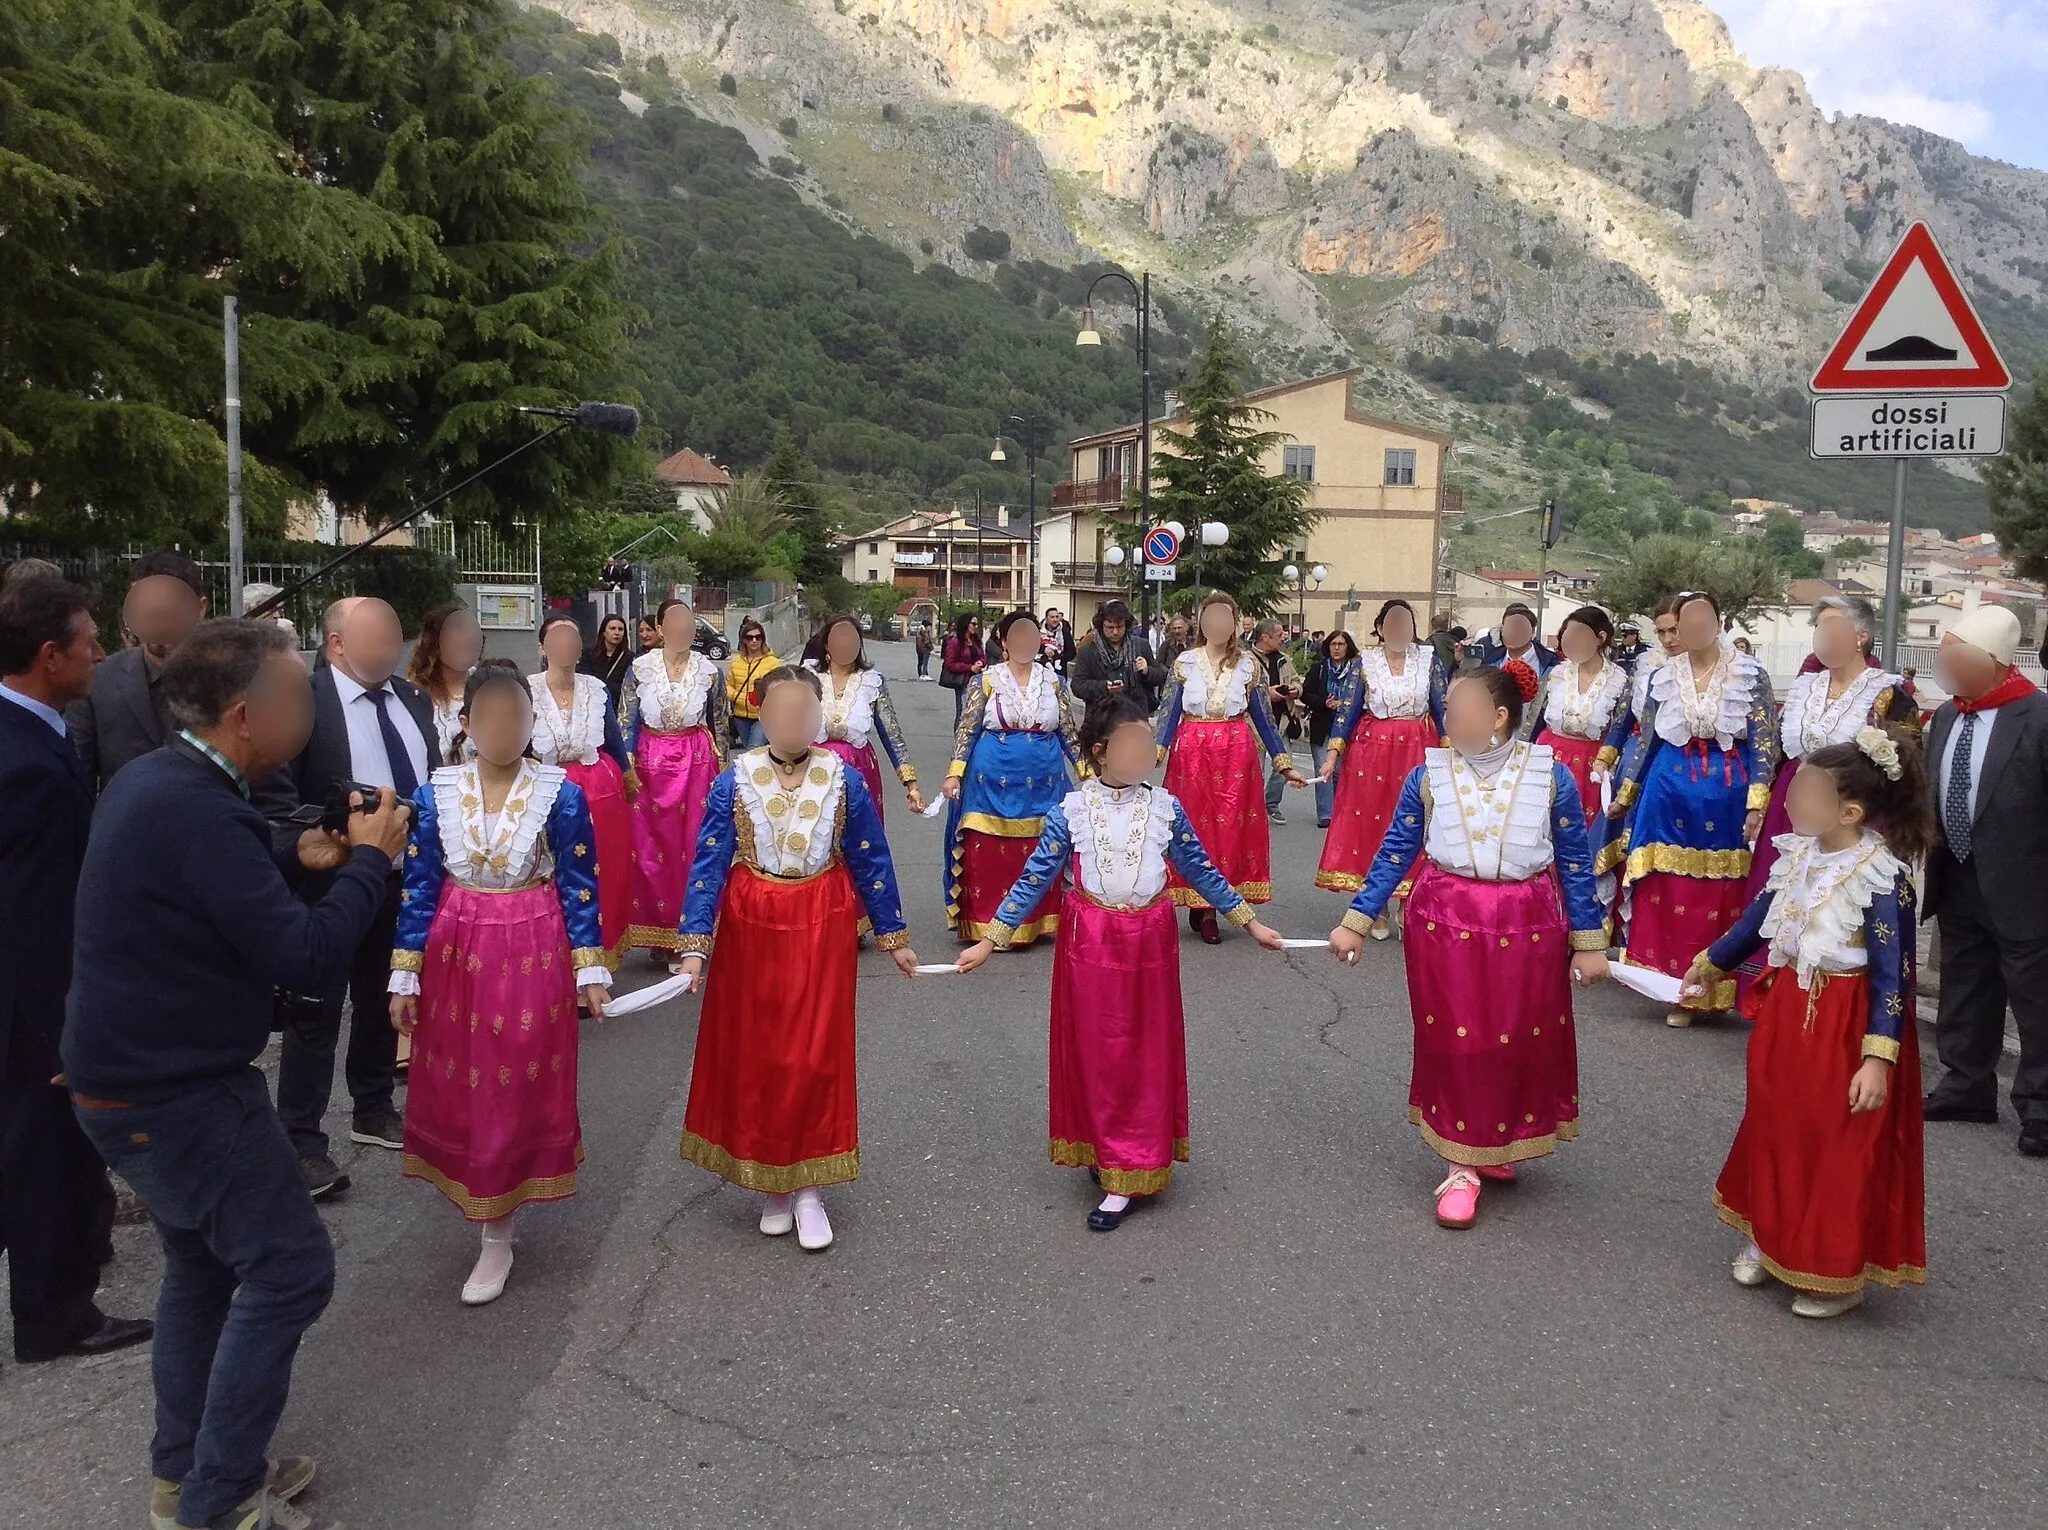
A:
{"points": [[724, 557], [1852, 549], [1213, 469], [1783, 535], [2016, 486], [1740, 573], [749, 506], [790, 478]]}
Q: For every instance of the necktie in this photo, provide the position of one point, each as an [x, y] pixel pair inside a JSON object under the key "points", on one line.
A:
{"points": [[1955, 799], [403, 779]]}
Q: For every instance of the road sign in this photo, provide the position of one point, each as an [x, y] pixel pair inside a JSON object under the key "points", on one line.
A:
{"points": [[1162, 572], [1914, 332], [1909, 425], [1161, 546]]}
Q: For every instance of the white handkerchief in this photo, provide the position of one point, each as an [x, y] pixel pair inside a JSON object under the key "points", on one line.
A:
{"points": [[934, 808], [1651, 985], [933, 969], [646, 998], [1322, 944], [1607, 792]]}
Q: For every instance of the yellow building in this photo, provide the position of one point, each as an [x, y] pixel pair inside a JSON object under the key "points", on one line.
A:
{"points": [[1378, 487]]}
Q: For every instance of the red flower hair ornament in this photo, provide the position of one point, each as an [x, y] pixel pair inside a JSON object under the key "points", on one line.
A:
{"points": [[1524, 678]]}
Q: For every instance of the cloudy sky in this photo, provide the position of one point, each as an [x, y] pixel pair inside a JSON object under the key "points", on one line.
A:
{"points": [[1973, 70]]}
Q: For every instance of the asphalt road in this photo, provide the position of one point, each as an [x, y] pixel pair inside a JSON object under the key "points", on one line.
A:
{"points": [[1287, 1339]]}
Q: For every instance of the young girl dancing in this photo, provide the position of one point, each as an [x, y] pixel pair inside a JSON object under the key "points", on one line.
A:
{"points": [[497, 931], [574, 727], [858, 713], [791, 851], [1492, 949], [1825, 1177], [1395, 710], [1119, 1092], [1217, 716]]}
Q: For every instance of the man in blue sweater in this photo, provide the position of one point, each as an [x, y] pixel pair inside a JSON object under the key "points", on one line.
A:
{"points": [[186, 923]]}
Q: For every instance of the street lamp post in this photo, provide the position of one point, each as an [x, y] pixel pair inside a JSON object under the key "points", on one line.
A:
{"points": [[1293, 575], [1208, 534], [1030, 436], [1141, 294]]}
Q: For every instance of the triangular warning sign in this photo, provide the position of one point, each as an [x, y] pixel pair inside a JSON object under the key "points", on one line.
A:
{"points": [[1914, 332]]}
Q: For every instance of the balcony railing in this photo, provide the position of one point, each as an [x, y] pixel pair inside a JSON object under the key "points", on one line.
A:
{"points": [[1088, 491], [1091, 576]]}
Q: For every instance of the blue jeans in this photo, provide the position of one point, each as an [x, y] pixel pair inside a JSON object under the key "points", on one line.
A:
{"points": [[1326, 791], [749, 731], [924, 664], [248, 1267]]}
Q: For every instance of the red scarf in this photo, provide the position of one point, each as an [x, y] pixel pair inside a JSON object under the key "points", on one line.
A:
{"points": [[2012, 688]]}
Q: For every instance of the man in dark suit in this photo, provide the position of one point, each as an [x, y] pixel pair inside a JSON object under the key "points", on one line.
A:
{"points": [[373, 728], [1987, 759], [125, 718], [1515, 638], [53, 1189]]}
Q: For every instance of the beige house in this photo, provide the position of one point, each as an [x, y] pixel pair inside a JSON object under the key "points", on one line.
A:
{"points": [[695, 480], [945, 555], [1378, 486]]}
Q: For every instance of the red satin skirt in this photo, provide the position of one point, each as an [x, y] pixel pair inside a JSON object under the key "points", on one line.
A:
{"points": [[1377, 762], [604, 788], [1119, 1092], [773, 1104], [1218, 772], [1672, 919], [490, 1109], [1832, 1200], [1577, 755], [989, 867], [1496, 1077]]}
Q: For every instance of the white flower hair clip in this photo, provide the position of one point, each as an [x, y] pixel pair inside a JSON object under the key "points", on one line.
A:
{"points": [[1877, 745]]}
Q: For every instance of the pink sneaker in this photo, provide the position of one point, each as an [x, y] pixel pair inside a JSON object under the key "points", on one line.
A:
{"points": [[1457, 1199], [1503, 1173]]}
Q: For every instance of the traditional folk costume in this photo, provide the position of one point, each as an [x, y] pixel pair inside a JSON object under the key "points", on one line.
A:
{"points": [[1703, 762], [1119, 1088], [858, 716], [1811, 720], [676, 735], [497, 931], [1210, 733], [448, 725], [1382, 729], [1490, 941], [1011, 755], [585, 741], [781, 878], [1830, 1199]]}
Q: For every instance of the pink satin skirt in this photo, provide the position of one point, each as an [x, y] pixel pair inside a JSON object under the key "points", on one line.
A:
{"points": [[676, 772]]}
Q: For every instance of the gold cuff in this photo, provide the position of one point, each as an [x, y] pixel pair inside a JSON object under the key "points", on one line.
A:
{"points": [[1881, 1046], [956, 770], [1627, 795], [1243, 915], [632, 780], [907, 774], [1334, 746], [589, 956], [693, 945], [1759, 797], [1283, 762], [1590, 940], [1000, 935], [408, 961], [895, 941], [1163, 751], [1356, 922], [1607, 757]]}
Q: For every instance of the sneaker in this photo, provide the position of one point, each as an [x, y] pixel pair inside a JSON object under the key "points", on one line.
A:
{"points": [[380, 1128], [1276, 815], [1457, 1199], [289, 1477], [267, 1511], [1748, 1268], [1811, 1304], [322, 1176]]}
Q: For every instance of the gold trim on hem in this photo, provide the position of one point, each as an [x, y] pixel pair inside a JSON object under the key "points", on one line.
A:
{"points": [[1684, 861], [771, 1178], [1611, 855], [1081, 1155], [408, 961], [1028, 931], [1002, 828], [1820, 1285], [1251, 892], [553, 1187], [1339, 881], [657, 937], [1519, 1151]]}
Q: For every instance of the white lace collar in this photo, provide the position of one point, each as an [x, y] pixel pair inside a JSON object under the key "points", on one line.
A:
{"points": [[1572, 713], [574, 737], [1811, 722], [795, 832], [849, 712], [1391, 695], [1719, 710], [1031, 705], [508, 849], [1816, 919], [675, 703], [1209, 691], [1120, 837]]}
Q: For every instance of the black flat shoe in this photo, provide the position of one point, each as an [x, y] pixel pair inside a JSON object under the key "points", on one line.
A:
{"points": [[113, 1333], [1107, 1221], [2034, 1139], [1932, 1109]]}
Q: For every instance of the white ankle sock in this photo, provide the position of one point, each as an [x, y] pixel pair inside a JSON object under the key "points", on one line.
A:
{"points": [[1114, 1202]]}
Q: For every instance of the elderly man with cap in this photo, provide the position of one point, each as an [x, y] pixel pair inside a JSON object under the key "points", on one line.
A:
{"points": [[1987, 757]]}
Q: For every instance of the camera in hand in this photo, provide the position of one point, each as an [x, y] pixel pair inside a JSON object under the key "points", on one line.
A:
{"points": [[333, 815]]}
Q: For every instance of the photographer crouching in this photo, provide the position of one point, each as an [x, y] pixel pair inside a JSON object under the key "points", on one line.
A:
{"points": [[186, 925]]}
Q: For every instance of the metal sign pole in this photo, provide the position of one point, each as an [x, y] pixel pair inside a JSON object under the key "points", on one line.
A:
{"points": [[237, 570], [1895, 562]]}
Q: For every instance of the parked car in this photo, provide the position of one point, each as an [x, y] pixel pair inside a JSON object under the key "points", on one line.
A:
{"points": [[711, 642]]}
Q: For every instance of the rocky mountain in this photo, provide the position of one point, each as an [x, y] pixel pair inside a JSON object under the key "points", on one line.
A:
{"points": [[1604, 175]]}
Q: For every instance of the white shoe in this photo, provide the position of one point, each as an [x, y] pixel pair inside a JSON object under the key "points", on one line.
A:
{"points": [[1381, 930], [1811, 1304], [1679, 1019], [813, 1227], [486, 1282], [1748, 1268], [777, 1219]]}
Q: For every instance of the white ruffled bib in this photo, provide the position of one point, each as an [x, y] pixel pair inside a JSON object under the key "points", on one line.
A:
{"points": [[795, 832], [1816, 919], [1212, 695], [499, 851], [1720, 711], [1390, 695], [1120, 835], [849, 714], [574, 737], [1811, 722], [1571, 713], [673, 705], [1497, 832]]}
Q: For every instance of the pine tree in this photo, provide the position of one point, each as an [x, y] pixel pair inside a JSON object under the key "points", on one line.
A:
{"points": [[2017, 486], [790, 479], [1212, 468]]}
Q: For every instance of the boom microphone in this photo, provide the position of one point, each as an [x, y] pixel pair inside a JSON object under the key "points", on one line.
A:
{"points": [[602, 419]]}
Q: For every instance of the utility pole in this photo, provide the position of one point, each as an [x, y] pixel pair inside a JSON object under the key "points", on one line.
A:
{"points": [[237, 570]]}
